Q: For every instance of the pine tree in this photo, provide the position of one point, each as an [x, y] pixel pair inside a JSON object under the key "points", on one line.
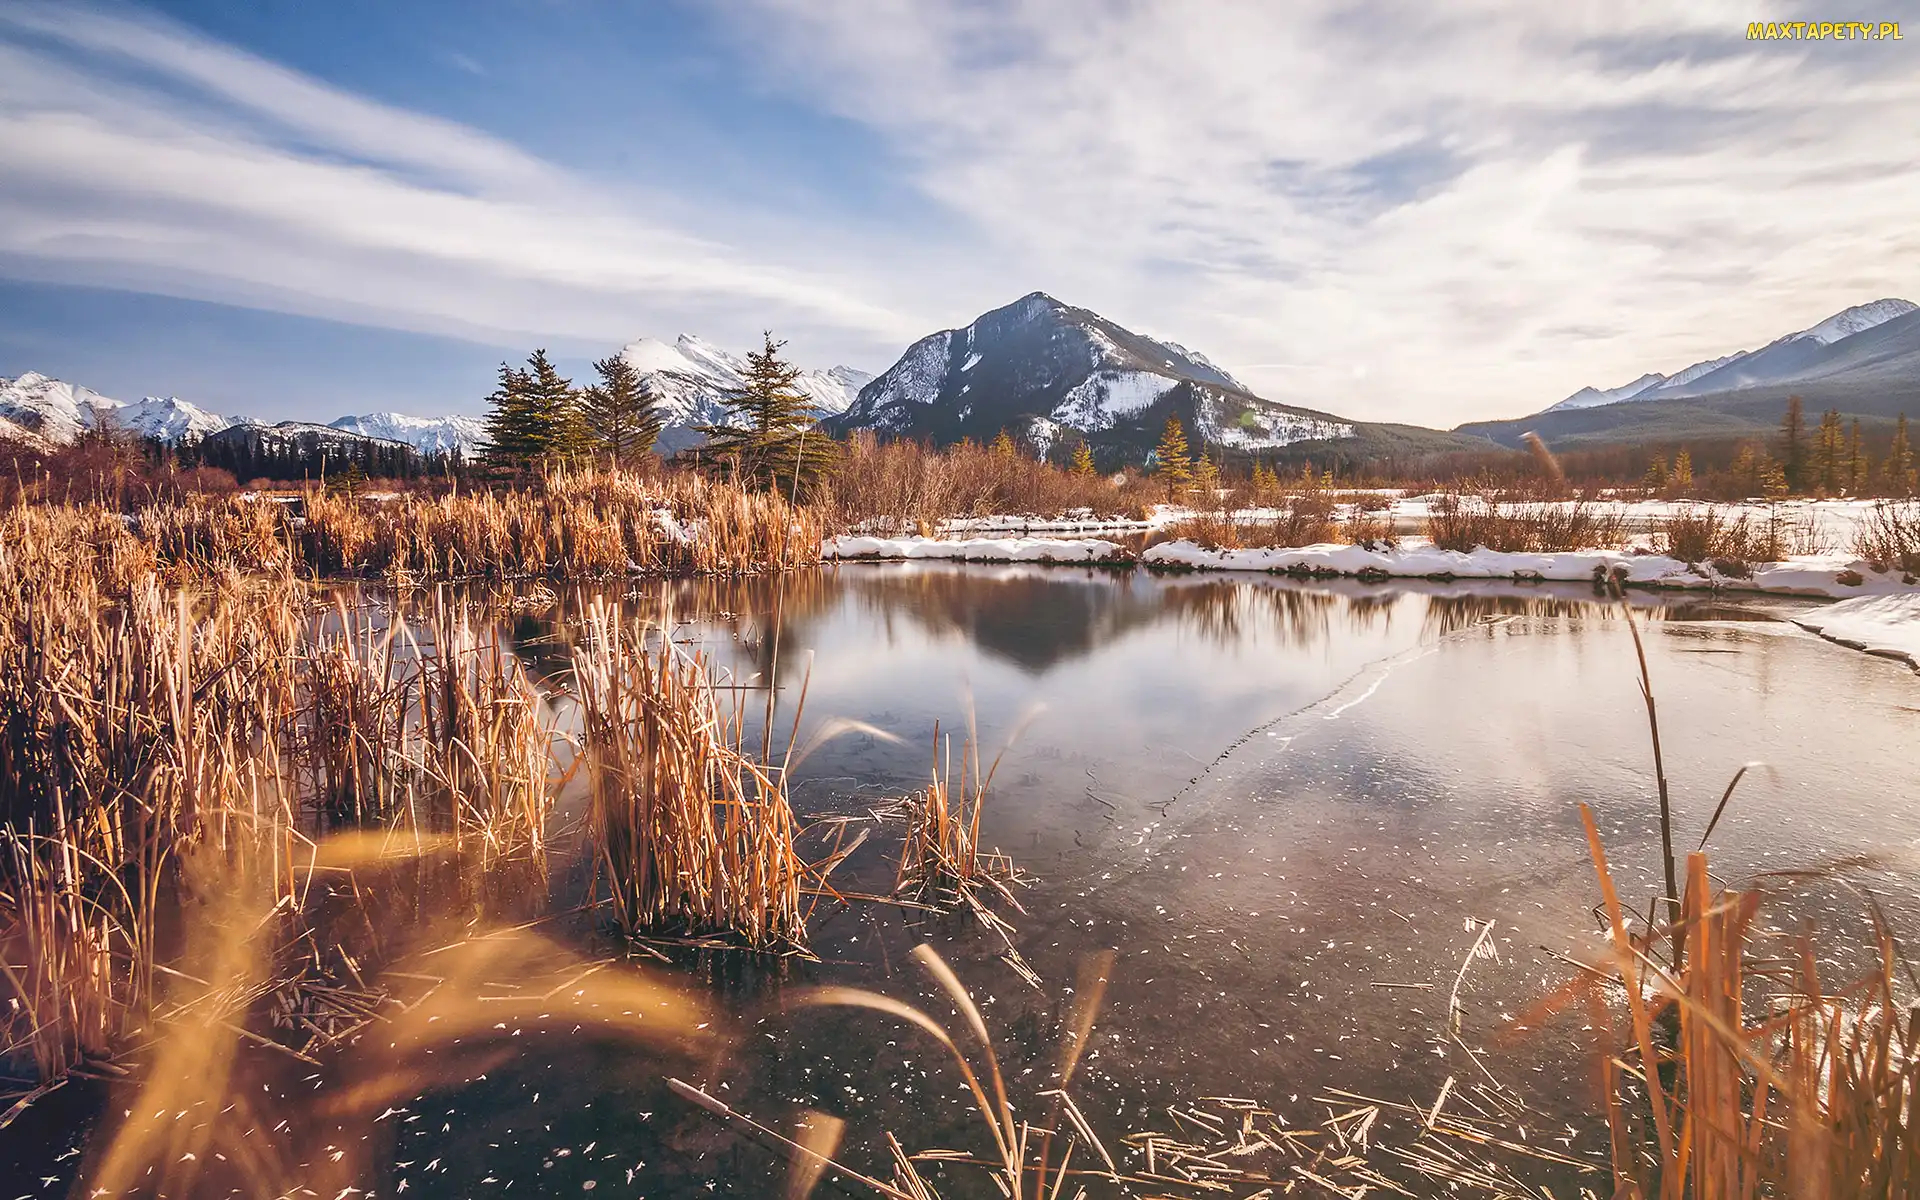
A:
{"points": [[1656, 477], [1856, 461], [536, 417], [1682, 476], [621, 412], [1206, 480], [1793, 444], [1170, 461], [772, 442], [1082, 459], [513, 438], [1829, 454], [1898, 470]]}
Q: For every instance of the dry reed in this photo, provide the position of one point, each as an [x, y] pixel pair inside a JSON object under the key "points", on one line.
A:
{"points": [[693, 835], [1464, 522]]}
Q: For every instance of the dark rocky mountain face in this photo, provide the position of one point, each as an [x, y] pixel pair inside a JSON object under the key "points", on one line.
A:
{"points": [[1047, 371]]}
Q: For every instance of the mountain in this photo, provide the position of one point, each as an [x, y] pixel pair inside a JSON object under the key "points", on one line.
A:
{"points": [[427, 435], [691, 376], [1041, 369], [1781, 360], [48, 410], [1863, 361]]}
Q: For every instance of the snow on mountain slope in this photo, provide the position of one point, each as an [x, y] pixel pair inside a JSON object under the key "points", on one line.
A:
{"points": [[692, 377], [428, 435], [167, 419], [1785, 358], [1592, 397], [1858, 319], [49, 409], [1041, 369]]}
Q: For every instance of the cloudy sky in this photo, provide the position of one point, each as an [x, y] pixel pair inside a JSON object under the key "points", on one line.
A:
{"points": [[1393, 210]]}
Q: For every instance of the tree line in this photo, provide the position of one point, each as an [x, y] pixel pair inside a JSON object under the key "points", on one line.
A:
{"points": [[537, 417]]}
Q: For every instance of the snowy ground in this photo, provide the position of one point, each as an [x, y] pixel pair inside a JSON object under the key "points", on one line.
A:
{"points": [[1888, 625], [1834, 576], [1818, 526]]}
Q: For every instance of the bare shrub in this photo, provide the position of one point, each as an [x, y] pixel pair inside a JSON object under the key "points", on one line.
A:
{"points": [[1890, 536]]}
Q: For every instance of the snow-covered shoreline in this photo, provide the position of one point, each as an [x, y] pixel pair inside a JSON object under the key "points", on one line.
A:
{"points": [[1831, 576], [1884, 625], [1004, 549]]}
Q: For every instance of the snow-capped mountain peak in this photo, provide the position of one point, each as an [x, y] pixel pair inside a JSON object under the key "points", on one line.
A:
{"points": [[1788, 357], [166, 419], [1858, 319], [1039, 367], [428, 435], [49, 409]]}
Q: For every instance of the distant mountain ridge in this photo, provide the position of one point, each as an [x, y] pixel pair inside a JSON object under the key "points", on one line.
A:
{"points": [[52, 412], [1863, 361], [1777, 361]]}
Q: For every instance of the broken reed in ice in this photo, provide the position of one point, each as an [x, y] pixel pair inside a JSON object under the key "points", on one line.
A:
{"points": [[694, 834]]}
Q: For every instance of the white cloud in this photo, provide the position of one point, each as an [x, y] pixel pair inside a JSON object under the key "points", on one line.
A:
{"points": [[1393, 210], [1487, 205], [133, 152]]}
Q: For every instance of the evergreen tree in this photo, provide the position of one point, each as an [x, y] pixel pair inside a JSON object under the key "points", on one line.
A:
{"points": [[1829, 454], [1793, 444], [1170, 461], [536, 417], [1082, 459], [1003, 446], [772, 442], [1656, 477], [1898, 470], [1682, 476], [1856, 461], [621, 412], [1206, 480], [513, 438]]}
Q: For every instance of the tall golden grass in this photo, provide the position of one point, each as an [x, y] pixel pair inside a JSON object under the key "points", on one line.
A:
{"points": [[904, 487], [694, 834], [141, 726], [577, 525]]}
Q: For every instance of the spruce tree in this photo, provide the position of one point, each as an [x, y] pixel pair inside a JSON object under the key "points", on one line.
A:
{"points": [[1793, 444], [1003, 445], [622, 414], [1170, 461], [1082, 459], [1856, 461], [536, 417], [1829, 453], [1682, 476], [513, 428], [1656, 478], [1898, 470], [1206, 480], [772, 442]]}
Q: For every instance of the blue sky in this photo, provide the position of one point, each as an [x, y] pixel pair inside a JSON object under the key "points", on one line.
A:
{"points": [[1377, 208]]}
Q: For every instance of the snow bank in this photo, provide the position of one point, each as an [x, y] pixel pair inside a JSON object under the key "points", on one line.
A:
{"points": [[1018, 549], [1811, 575], [1888, 625]]}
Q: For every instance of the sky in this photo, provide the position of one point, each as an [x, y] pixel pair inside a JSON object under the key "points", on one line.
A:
{"points": [[1388, 209]]}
